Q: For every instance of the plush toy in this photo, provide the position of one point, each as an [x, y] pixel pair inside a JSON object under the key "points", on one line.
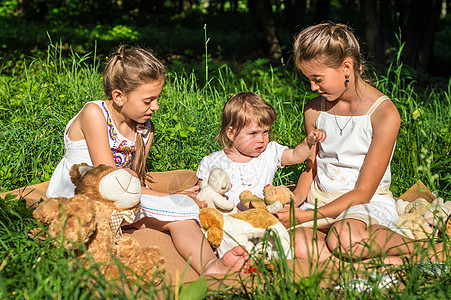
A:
{"points": [[438, 213], [418, 219], [243, 227], [105, 198], [275, 197], [213, 189]]}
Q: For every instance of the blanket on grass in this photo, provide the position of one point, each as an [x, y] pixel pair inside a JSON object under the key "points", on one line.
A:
{"points": [[177, 269]]}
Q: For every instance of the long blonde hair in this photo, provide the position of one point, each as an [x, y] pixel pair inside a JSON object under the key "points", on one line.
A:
{"points": [[128, 68]]}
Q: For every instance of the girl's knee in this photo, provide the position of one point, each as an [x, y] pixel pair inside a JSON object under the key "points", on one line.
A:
{"points": [[344, 240], [310, 246]]}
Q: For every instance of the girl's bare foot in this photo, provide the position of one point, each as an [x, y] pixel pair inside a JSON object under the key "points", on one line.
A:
{"points": [[232, 261]]}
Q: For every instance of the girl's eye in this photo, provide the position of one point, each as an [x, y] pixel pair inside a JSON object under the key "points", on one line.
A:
{"points": [[253, 133], [318, 80]]}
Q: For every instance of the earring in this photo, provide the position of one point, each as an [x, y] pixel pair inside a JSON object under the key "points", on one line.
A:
{"points": [[119, 104], [347, 78]]}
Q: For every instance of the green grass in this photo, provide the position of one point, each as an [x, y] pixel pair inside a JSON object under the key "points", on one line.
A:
{"points": [[39, 96]]}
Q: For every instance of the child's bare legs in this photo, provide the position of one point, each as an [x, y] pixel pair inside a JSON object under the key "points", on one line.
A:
{"points": [[190, 242], [352, 237], [311, 245]]}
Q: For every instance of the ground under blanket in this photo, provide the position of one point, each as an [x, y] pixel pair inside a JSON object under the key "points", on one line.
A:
{"points": [[175, 264]]}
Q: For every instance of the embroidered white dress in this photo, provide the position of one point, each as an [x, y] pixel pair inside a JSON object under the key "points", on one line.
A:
{"points": [[168, 208], [253, 175], [339, 161]]}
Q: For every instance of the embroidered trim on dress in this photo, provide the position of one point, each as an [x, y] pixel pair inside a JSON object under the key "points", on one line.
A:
{"points": [[122, 150]]}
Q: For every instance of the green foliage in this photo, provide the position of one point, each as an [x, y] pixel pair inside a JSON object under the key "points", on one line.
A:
{"points": [[423, 145], [35, 107], [39, 95]]}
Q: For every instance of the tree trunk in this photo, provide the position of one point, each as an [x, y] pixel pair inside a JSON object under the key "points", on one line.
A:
{"points": [[419, 35], [294, 13], [372, 31], [260, 12], [387, 30]]}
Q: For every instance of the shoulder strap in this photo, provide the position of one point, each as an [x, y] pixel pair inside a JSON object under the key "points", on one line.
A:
{"points": [[376, 104]]}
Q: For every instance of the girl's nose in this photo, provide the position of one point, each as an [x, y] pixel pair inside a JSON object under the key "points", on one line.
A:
{"points": [[154, 106], [314, 86]]}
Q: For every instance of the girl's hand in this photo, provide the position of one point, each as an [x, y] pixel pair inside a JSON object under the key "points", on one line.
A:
{"points": [[201, 204], [315, 136], [192, 194], [284, 215], [194, 189], [300, 216]]}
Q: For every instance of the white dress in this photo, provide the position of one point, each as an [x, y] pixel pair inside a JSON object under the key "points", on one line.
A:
{"points": [[339, 161], [253, 175], [168, 208]]}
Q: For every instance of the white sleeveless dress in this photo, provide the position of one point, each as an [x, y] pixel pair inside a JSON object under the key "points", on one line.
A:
{"points": [[167, 208], [339, 161]]}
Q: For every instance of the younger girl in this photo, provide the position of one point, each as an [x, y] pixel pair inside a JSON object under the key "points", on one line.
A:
{"points": [[248, 157], [118, 132], [348, 175]]}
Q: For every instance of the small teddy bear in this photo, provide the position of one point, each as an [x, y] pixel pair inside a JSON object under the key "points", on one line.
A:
{"points": [[421, 217], [213, 189], [275, 197], [105, 198]]}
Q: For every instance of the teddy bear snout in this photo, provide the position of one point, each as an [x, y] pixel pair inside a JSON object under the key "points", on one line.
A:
{"points": [[123, 188]]}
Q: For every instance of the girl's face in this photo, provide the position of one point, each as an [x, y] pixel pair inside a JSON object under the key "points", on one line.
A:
{"points": [[328, 82], [140, 104], [251, 141]]}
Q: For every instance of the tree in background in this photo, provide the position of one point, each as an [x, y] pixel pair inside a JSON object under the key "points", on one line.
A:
{"points": [[419, 31], [417, 21], [380, 20], [261, 15]]}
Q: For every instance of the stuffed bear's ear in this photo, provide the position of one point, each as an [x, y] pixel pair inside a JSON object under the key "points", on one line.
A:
{"points": [[78, 171]]}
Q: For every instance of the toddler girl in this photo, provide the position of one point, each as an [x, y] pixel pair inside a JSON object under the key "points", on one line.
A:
{"points": [[118, 132], [248, 157]]}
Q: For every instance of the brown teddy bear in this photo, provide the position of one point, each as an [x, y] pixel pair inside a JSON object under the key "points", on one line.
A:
{"points": [[105, 198], [275, 197]]}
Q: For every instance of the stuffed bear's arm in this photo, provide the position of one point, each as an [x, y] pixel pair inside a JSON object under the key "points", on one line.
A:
{"points": [[222, 203], [275, 207]]}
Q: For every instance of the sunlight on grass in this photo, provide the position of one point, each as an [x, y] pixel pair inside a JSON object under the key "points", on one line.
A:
{"points": [[37, 103]]}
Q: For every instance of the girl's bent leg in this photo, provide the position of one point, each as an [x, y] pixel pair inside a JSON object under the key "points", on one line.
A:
{"points": [[190, 242], [376, 240], [311, 245]]}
